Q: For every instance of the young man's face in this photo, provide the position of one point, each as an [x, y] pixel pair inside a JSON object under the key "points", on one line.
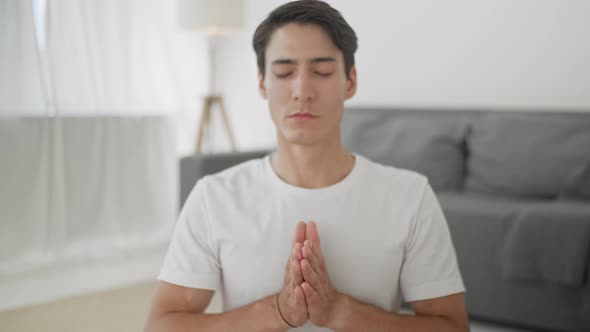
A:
{"points": [[305, 84]]}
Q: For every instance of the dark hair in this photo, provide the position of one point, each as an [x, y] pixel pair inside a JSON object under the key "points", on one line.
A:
{"points": [[307, 12]]}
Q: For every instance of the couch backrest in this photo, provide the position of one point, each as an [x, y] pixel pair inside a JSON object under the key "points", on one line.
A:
{"points": [[537, 154], [527, 154]]}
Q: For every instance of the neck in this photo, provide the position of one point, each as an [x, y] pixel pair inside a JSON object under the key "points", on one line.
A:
{"points": [[312, 166]]}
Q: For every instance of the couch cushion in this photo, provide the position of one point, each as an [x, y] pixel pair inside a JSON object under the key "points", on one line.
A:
{"points": [[526, 154], [549, 243], [476, 207], [431, 145], [577, 185], [479, 224], [538, 240]]}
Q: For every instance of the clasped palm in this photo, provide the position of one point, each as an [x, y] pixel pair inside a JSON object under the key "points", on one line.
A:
{"points": [[307, 291]]}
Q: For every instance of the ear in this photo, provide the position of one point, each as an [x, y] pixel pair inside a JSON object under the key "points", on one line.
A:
{"points": [[261, 86], [351, 83]]}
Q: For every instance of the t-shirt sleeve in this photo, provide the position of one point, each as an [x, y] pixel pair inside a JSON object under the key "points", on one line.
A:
{"points": [[191, 260], [430, 268]]}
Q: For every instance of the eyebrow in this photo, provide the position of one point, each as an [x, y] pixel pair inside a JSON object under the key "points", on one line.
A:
{"points": [[313, 61]]}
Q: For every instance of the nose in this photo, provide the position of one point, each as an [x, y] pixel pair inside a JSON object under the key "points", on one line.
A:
{"points": [[303, 90]]}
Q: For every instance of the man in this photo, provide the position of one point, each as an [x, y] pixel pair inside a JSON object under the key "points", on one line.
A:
{"points": [[371, 232]]}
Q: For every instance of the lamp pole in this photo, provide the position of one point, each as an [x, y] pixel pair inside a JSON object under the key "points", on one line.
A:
{"points": [[215, 17], [213, 98]]}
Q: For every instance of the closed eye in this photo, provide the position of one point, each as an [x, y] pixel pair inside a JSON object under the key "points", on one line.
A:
{"points": [[323, 74], [283, 75]]}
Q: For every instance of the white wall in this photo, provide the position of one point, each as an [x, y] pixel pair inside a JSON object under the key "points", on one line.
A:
{"points": [[531, 54]]}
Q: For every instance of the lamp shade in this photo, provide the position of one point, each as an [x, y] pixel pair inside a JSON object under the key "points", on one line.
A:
{"points": [[210, 16]]}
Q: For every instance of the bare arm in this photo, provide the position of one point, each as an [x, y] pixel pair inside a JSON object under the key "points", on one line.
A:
{"points": [[339, 312], [177, 308], [444, 314], [181, 309]]}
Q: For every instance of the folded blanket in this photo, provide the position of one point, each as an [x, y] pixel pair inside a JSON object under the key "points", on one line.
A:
{"points": [[548, 244]]}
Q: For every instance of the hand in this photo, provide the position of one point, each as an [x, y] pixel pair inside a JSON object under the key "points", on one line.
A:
{"points": [[324, 303], [291, 300]]}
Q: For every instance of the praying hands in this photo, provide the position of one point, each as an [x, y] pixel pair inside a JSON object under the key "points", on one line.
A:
{"points": [[308, 292]]}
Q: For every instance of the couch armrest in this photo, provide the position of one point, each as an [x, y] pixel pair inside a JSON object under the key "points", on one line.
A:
{"points": [[194, 167]]}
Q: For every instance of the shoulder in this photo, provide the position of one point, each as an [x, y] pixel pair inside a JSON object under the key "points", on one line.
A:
{"points": [[393, 178], [397, 189], [241, 176], [220, 188]]}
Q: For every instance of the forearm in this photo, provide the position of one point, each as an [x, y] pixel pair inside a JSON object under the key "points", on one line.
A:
{"points": [[365, 317], [258, 316]]}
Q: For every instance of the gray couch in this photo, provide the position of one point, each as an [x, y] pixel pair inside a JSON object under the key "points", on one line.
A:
{"points": [[515, 188]]}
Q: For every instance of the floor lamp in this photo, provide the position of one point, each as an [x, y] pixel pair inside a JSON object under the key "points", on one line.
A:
{"points": [[215, 18]]}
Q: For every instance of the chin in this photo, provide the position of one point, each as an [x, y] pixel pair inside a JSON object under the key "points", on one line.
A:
{"points": [[300, 137]]}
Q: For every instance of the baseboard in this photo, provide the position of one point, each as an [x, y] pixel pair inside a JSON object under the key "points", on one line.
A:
{"points": [[70, 280]]}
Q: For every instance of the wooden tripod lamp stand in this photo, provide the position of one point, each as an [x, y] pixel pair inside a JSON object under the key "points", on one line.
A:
{"points": [[205, 123], [215, 18]]}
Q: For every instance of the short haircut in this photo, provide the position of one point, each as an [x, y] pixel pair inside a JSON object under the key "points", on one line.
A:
{"points": [[313, 12]]}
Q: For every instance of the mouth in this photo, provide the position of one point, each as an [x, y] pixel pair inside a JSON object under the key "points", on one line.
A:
{"points": [[303, 115]]}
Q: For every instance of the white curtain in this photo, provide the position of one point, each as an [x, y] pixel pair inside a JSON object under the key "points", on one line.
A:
{"points": [[96, 105]]}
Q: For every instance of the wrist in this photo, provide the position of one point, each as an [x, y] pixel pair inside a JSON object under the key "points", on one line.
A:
{"points": [[281, 314], [267, 308], [341, 312]]}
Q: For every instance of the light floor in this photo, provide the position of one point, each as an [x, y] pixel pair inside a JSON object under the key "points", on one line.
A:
{"points": [[123, 310]]}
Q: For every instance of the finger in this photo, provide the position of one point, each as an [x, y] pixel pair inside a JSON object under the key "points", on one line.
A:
{"points": [[309, 292], [296, 253], [309, 275], [299, 233], [299, 252], [299, 295], [311, 256], [287, 280], [296, 274], [317, 253], [311, 233]]}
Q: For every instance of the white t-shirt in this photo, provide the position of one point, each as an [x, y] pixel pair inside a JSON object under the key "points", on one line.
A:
{"points": [[382, 233]]}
